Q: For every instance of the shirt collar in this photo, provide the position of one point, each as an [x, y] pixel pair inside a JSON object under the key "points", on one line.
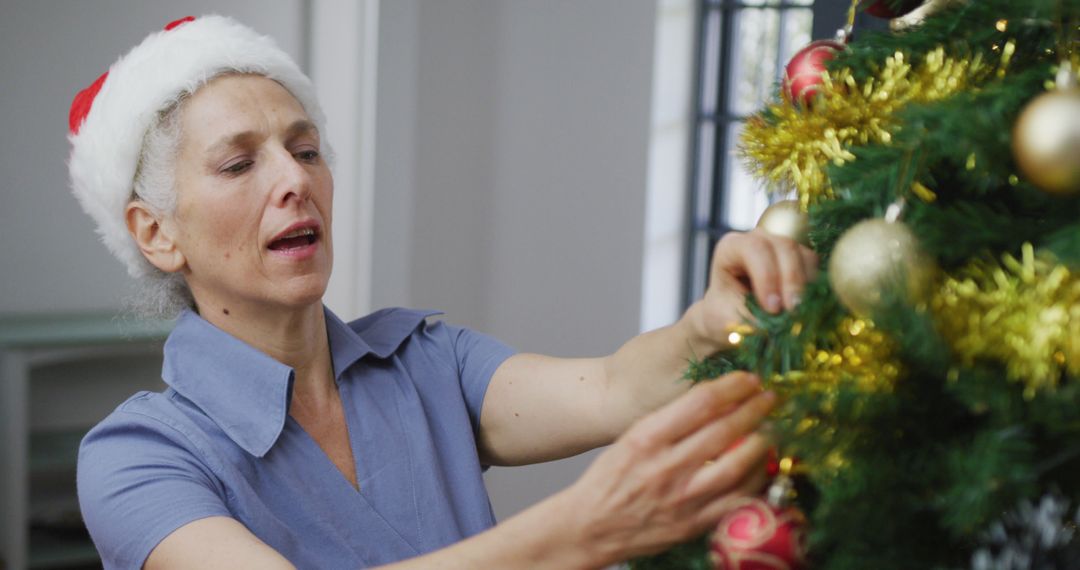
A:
{"points": [[245, 391]]}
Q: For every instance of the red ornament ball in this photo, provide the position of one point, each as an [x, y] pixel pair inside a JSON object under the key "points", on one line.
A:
{"points": [[804, 74], [758, 536], [891, 8]]}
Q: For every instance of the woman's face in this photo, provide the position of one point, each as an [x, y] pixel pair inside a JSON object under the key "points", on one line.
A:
{"points": [[253, 198]]}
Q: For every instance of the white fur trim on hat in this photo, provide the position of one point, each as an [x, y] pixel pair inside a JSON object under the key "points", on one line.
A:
{"points": [[105, 147]]}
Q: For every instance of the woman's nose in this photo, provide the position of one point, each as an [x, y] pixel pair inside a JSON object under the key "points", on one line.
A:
{"points": [[293, 181]]}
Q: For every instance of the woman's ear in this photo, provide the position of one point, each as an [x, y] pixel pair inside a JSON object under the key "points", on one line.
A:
{"points": [[154, 236]]}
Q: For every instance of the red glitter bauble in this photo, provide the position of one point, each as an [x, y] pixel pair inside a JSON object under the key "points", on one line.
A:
{"points": [[885, 8], [803, 75], [758, 536]]}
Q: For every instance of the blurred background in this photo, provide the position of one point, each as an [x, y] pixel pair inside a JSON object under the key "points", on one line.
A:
{"points": [[551, 172]]}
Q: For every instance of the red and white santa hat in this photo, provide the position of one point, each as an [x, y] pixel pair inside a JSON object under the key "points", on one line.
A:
{"points": [[110, 118]]}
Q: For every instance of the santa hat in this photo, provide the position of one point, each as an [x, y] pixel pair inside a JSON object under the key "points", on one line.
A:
{"points": [[110, 118]]}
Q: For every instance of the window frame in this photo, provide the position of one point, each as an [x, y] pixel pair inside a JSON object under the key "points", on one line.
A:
{"points": [[706, 215]]}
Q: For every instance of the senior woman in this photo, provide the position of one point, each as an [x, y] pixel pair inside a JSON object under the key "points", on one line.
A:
{"points": [[289, 438]]}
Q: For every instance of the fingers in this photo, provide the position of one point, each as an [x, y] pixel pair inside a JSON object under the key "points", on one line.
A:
{"points": [[653, 488], [764, 269], [729, 470], [731, 262], [687, 414], [810, 263], [776, 267], [713, 439], [751, 486], [793, 274]]}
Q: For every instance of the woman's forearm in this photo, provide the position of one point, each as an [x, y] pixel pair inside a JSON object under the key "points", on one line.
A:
{"points": [[646, 372], [541, 537]]}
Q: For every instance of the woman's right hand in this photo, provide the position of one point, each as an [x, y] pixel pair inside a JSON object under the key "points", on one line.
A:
{"points": [[672, 475], [668, 479]]}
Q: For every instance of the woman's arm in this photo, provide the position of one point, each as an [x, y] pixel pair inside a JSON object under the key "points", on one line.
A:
{"points": [[214, 543], [666, 480], [540, 408]]}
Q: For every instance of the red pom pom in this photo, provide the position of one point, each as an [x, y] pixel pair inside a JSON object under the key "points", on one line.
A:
{"points": [[80, 107], [803, 74], [758, 536], [885, 9], [176, 23]]}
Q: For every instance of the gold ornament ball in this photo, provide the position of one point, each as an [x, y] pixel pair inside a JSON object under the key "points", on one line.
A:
{"points": [[1046, 141], [786, 218], [874, 257]]}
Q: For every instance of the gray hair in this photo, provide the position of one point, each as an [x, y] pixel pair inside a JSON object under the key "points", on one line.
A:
{"points": [[160, 294]]}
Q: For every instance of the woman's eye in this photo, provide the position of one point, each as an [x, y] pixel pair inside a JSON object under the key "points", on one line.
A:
{"points": [[308, 155], [237, 168]]}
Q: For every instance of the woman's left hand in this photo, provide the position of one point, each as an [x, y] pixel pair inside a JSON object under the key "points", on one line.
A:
{"points": [[540, 408], [774, 268]]}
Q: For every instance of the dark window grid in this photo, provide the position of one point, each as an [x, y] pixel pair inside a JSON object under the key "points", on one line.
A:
{"points": [[715, 122]]}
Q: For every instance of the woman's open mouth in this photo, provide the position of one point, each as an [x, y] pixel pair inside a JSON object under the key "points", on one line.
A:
{"points": [[298, 241], [295, 239]]}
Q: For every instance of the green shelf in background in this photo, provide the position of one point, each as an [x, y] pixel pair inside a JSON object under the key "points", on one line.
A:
{"points": [[50, 331], [54, 450]]}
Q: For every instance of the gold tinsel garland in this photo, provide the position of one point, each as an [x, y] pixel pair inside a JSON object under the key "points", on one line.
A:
{"points": [[1023, 313], [855, 355], [791, 146]]}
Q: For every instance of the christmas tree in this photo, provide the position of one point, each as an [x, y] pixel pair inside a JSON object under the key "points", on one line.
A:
{"points": [[931, 375]]}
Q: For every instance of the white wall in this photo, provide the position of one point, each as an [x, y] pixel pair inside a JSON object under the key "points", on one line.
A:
{"points": [[672, 123], [511, 172]]}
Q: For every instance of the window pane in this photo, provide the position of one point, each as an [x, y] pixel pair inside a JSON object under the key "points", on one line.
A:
{"points": [[798, 26], [710, 61], [754, 72], [704, 184], [744, 198]]}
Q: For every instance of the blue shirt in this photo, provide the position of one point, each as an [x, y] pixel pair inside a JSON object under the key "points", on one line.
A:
{"points": [[220, 442]]}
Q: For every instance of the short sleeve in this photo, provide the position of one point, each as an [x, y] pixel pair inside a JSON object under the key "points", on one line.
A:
{"points": [[139, 480], [478, 356]]}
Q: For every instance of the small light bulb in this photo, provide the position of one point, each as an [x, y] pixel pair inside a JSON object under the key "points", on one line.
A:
{"points": [[786, 464]]}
